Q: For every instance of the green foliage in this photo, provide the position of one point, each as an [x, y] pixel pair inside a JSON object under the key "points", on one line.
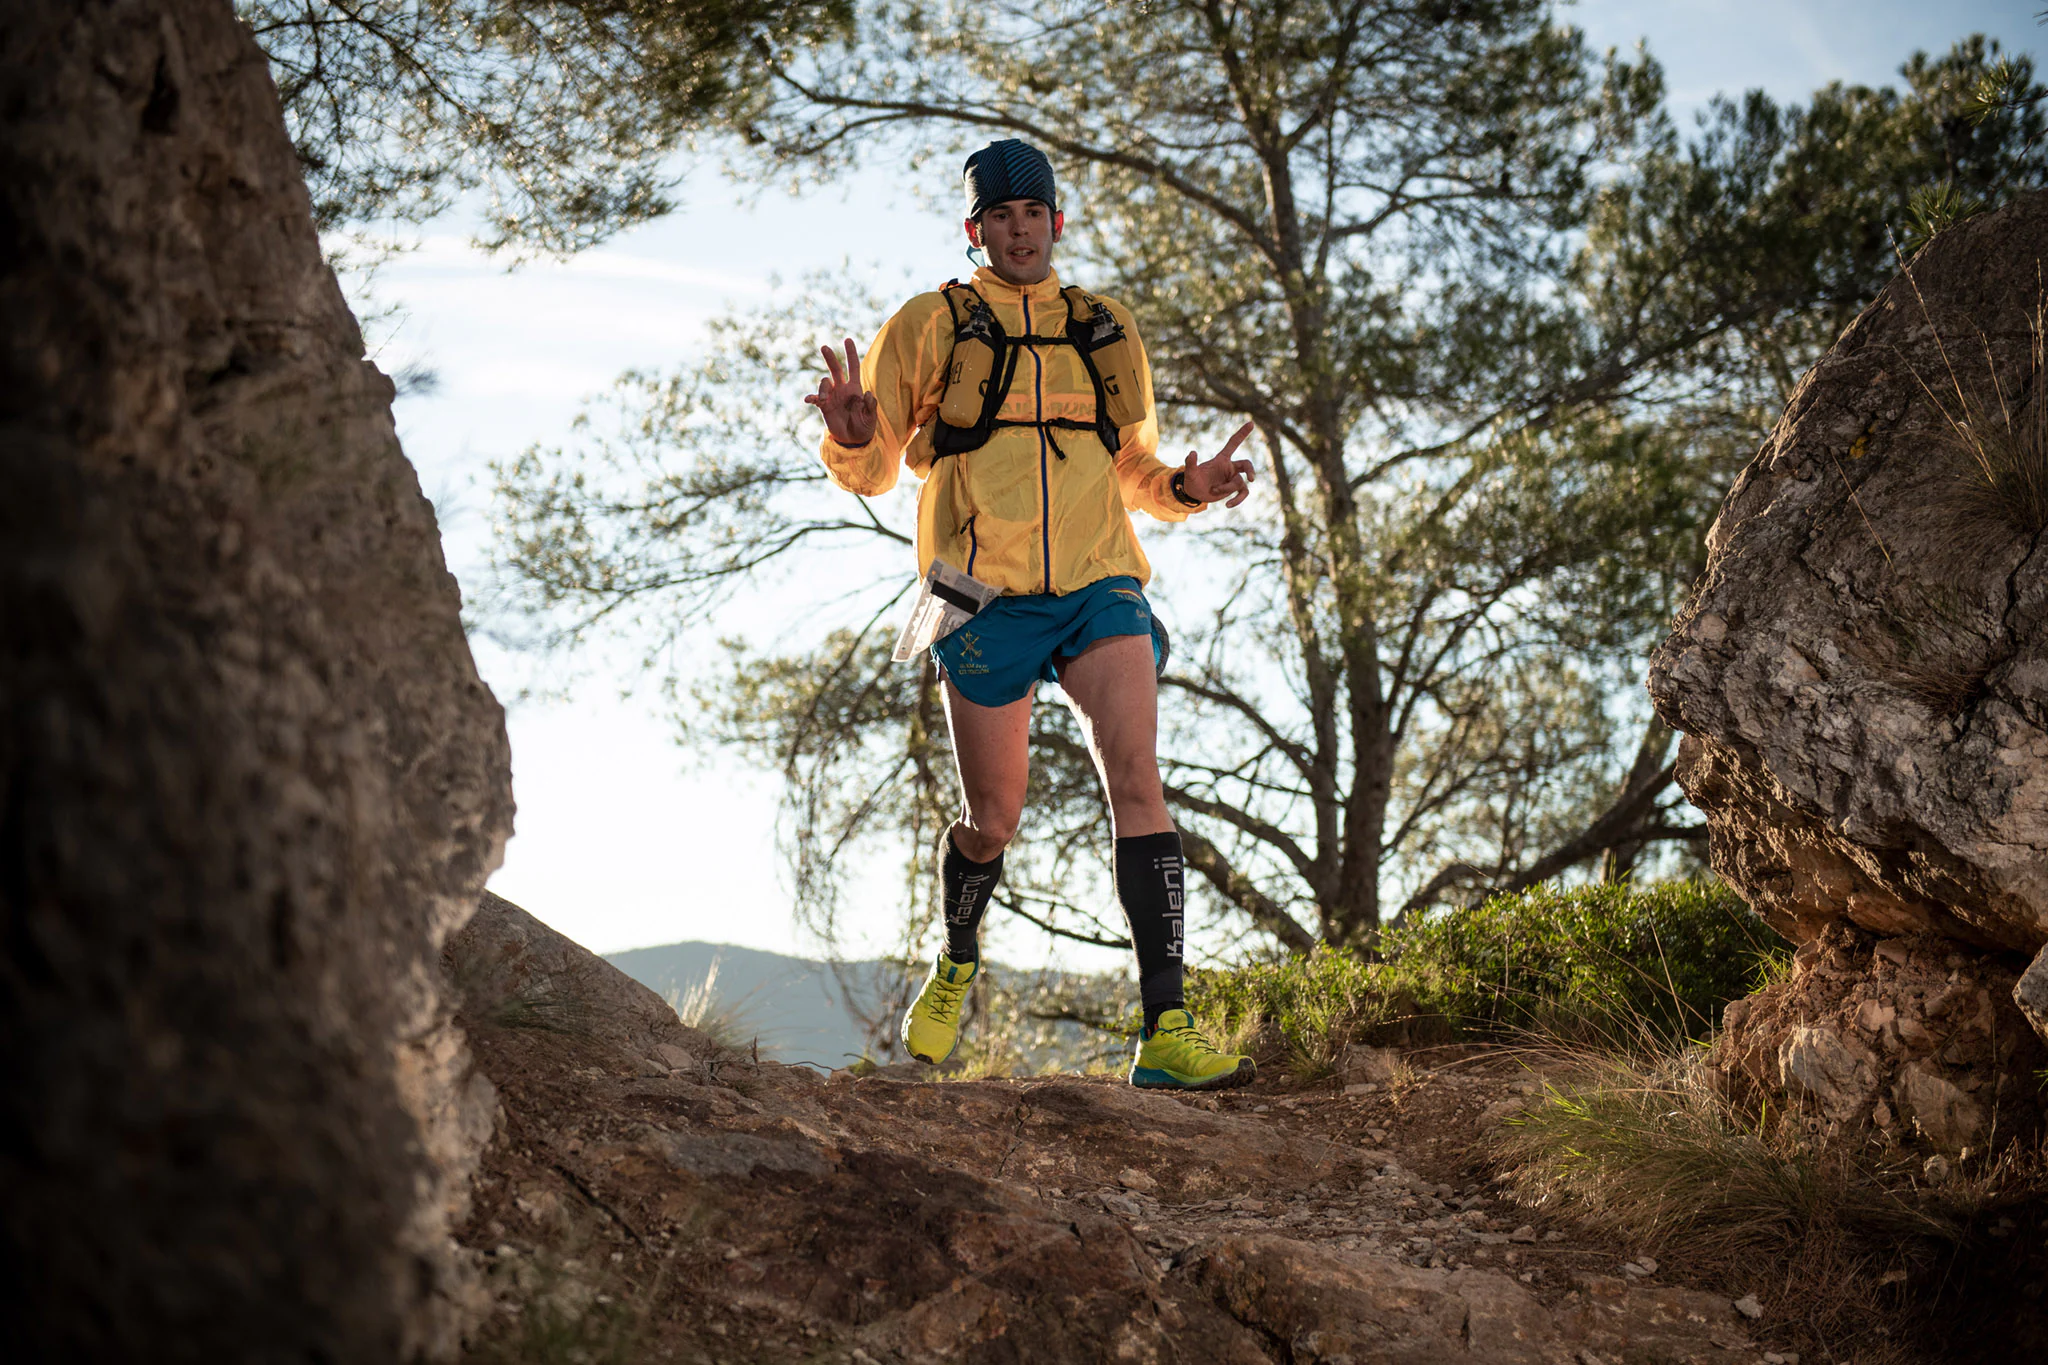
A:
{"points": [[1937, 208], [1311, 1006], [1506, 335], [540, 1010], [568, 1314], [612, 1333], [1613, 961], [2004, 87], [1612, 964], [562, 113], [1742, 253]]}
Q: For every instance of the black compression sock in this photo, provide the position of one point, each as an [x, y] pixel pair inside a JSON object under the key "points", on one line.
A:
{"points": [[1153, 1011], [965, 887], [1151, 887]]}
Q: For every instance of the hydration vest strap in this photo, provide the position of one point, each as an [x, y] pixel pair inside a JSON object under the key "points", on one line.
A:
{"points": [[1111, 360], [971, 365], [983, 365]]}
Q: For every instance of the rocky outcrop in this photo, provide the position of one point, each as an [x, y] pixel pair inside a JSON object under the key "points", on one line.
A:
{"points": [[1862, 676], [249, 778], [511, 970], [650, 1195], [1910, 1039]]}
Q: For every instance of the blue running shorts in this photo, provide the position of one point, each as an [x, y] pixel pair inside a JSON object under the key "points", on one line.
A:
{"points": [[1014, 643]]}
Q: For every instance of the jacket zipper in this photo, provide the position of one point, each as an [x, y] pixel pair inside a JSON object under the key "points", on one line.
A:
{"points": [[1044, 478], [973, 544]]}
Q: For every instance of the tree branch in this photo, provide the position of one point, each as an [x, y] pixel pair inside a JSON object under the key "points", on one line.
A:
{"points": [[1296, 754], [1632, 818], [1016, 907], [1205, 858]]}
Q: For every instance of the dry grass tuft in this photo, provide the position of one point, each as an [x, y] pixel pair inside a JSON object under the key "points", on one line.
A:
{"points": [[1992, 490], [2005, 456], [2002, 439], [1855, 1259], [727, 1023], [539, 1009], [1314, 1050], [1998, 432], [1655, 1153], [1945, 690], [1926, 645], [487, 1000]]}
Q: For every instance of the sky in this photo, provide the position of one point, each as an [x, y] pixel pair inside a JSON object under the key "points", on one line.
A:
{"points": [[626, 839]]}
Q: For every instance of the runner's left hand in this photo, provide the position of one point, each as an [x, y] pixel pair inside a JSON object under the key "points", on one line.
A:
{"points": [[1221, 477]]}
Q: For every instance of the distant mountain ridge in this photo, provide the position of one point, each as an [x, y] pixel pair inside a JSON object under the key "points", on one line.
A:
{"points": [[795, 1005], [798, 1010]]}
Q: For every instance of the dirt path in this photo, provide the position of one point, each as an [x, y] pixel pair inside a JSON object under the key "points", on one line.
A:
{"points": [[646, 1198]]}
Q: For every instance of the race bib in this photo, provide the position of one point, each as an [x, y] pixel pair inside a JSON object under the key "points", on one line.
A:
{"points": [[946, 600]]}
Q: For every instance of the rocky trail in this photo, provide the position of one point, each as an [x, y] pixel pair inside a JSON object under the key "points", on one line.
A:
{"points": [[649, 1196]]}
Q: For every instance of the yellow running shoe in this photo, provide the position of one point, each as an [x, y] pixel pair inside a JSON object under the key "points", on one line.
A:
{"points": [[932, 1023], [1172, 1056]]}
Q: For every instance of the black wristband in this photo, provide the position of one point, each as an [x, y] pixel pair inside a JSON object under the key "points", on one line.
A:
{"points": [[1179, 485]]}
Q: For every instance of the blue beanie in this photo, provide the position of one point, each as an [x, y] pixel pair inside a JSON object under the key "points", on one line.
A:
{"points": [[1008, 170]]}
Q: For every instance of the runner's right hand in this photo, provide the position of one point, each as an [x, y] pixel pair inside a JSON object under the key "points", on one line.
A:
{"points": [[849, 411]]}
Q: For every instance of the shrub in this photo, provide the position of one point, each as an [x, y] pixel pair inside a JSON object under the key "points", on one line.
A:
{"points": [[1314, 1004], [1613, 964]]}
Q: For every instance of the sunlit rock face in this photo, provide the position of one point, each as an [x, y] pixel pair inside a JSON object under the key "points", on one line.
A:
{"points": [[249, 778], [1862, 677], [1909, 1041], [1862, 682]]}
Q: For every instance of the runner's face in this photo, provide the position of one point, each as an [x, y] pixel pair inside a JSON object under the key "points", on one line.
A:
{"points": [[1018, 236]]}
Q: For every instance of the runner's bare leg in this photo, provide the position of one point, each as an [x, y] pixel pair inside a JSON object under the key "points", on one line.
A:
{"points": [[991, 748], [1114, 692]]}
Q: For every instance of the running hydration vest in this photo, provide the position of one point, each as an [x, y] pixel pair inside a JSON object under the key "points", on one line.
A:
{"points": [[983, 364]]}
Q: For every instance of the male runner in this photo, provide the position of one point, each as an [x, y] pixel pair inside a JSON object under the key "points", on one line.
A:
{"points": [[1027, 409]]}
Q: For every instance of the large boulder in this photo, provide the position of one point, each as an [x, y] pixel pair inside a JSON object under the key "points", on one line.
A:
{"points": [[1862, 676], [249, 777], [511, 971]]}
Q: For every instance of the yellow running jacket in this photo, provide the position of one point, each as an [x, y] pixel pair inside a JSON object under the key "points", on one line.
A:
{"points": [[1014, 513]]}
